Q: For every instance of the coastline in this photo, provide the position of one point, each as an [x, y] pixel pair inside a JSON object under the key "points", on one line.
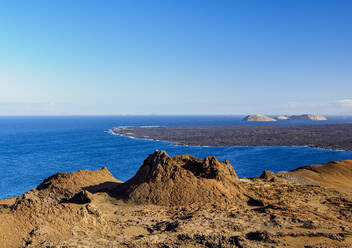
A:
{"points": [[325, 136]]}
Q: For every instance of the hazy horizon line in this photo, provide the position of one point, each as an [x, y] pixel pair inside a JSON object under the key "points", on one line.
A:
{"points": [[102, 115]]}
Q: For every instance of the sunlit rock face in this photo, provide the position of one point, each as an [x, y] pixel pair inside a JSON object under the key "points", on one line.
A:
{"points": [[257, 117]]}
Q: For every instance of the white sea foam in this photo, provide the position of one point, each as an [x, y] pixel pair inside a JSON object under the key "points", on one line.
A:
{"points": [[149, 126]]}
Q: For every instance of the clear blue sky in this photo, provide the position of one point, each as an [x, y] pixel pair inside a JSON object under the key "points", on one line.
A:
{"points": [[175, 57]]}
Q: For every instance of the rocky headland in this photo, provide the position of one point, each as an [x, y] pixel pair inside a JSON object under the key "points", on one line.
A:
{"points": [[184, 201], [329, 136]]}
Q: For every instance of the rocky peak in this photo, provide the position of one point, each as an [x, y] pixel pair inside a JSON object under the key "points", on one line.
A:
{"points": [[179, 180]]}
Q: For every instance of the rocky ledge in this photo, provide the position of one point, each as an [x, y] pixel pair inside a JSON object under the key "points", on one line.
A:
{"points": [[184, 201]]}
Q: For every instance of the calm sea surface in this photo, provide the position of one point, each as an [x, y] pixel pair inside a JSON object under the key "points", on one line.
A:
{"points": [[33, 148]]}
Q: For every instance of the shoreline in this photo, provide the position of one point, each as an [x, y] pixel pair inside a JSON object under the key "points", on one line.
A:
{"points": [[186, 145], [327, 136]]}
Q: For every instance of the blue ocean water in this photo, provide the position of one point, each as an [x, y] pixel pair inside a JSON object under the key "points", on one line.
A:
{"points": [[33, 148]]}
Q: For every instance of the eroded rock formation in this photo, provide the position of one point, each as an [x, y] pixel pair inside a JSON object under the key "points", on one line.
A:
{"points": [[183, 180]]}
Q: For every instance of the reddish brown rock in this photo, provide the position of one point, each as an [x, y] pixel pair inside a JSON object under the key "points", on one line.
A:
{"points": [[184, 180]]}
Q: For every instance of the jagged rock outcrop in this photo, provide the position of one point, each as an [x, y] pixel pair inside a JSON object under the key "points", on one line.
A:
{"points": [[52, 210], [183, 180], [269, 176], [65, 185], [257, 117]]}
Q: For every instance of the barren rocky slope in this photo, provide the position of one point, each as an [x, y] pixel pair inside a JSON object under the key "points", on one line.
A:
{"points": [[335, 175], [183, 201]]}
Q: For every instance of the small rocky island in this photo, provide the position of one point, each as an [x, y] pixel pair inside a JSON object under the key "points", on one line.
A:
{"points": [[257, 118], [304, 117], [184, 201], [307, 117]]}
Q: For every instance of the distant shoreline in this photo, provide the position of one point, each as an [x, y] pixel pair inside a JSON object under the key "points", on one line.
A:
{"points": [[326, 136]]}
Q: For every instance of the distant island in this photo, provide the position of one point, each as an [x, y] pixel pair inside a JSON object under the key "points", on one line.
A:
{"points": [[304, 117], [257, 117]]}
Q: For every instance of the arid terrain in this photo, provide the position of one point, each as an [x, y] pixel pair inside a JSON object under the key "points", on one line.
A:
{"points": [[329, 136], [184, 201]]}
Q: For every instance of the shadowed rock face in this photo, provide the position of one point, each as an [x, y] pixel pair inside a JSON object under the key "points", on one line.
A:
{"points": [[269, 176], [183, 180]]}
